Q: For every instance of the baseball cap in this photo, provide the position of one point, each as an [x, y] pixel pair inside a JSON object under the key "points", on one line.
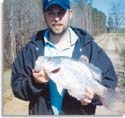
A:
{"points": [[65, 4]]}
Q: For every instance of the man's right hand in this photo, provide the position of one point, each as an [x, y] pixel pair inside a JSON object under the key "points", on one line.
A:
{"points": [[40, 76]]}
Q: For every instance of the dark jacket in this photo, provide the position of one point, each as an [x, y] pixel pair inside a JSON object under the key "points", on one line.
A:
{"points": [[25, 88]]}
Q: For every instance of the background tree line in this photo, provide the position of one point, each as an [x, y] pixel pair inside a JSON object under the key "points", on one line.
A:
{"points": [[88, 18], [23, 18], [116, 17]]}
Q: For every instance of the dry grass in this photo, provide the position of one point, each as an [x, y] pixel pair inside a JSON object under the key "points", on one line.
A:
{"points": [[7, 93]]}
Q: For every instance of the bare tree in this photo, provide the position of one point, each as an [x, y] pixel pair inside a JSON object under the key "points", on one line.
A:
{"points": [[12, 31], [22, 18], [110, 24], [117, 13]]}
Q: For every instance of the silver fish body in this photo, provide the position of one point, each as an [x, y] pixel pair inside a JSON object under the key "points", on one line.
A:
{"points": [[75, 77]]}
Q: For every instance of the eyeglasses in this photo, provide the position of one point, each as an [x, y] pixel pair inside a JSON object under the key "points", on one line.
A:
{"points": [[53, 14]]}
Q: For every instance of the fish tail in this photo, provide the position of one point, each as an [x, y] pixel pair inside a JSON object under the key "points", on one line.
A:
{"points": [[111, 99]]}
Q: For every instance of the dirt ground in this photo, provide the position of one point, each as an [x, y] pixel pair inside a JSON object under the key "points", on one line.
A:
{"points": [[19, 107], [16, 107]]}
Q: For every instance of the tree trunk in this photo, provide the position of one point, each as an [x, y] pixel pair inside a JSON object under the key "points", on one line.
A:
{"points": [[12, 34]]}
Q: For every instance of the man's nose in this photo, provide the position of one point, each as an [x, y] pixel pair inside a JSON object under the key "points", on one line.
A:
{"points": [[57, 17]]}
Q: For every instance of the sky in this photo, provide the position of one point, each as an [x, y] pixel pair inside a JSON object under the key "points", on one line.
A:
{"points": [[104, 5]]}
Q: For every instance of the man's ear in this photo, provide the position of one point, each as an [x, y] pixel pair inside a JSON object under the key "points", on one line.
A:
{"points": [[70, 14]]}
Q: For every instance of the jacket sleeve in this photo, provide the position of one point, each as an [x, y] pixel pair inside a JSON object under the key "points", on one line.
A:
{"points": [[22, 83], [102, 61]]}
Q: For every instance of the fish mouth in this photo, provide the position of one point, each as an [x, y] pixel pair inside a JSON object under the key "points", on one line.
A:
{"points": [[55, 70]]}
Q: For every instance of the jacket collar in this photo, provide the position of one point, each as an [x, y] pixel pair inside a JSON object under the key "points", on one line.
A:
{"points": [[84, 37]]}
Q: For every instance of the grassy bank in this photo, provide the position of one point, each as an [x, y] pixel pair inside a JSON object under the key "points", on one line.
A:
{"points": [[122, 34]]}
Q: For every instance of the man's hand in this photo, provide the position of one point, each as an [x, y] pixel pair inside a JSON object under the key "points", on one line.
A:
{"points": [[40, 76], [89, 94]]}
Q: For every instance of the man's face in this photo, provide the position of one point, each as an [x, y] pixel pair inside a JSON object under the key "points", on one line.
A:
{"points": [[57, 19]]}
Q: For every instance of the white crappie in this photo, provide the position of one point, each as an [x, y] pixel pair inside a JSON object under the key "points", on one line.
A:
{"points": [[75, 76]]}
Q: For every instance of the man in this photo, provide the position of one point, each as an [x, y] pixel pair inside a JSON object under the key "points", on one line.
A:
{"points": [[59, 39]]}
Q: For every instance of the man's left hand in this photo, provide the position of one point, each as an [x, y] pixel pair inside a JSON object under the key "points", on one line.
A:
{"points": [[89, 94]]}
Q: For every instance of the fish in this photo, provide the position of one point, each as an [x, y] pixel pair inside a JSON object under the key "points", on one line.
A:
{"points": [[75, 76]]}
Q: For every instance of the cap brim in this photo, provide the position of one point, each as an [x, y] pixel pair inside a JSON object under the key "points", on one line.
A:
{"points": [[56, 3]]}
